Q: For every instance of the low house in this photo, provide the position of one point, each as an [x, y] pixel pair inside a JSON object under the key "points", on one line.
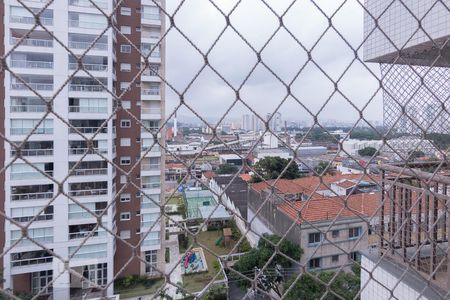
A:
{"points": [[330, 220]]}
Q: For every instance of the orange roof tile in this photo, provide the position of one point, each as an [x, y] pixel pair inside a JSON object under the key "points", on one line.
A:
{"points": [[245, 177], [314, 210]]}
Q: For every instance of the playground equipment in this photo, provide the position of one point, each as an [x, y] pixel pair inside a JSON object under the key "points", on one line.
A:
{"points": [[193, 261]]}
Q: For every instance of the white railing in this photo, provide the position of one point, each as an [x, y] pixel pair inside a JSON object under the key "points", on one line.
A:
{"points": [[31, 64], [87, 172], [33, 42], [86, 25], [153, 185], [89, 67], [150, 167], [85, 88], [150, 110], [87, 3], [28, 108], [29, 175], [32, 196], [30, 20], [34, 152], [90, 192], [146, 51], [149, 16], [88, 109], [148, 72], [88, 129], [86, 45], [150, 91], [16, 131], [84, 214], [84, 234], [81, 151], [150, 35], [27, 242], [34, 86], [155, 148], [31, 261]]}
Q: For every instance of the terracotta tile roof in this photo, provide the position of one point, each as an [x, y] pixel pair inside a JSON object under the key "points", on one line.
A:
{"points": [[314, 210], [309, 184], [346, 184], [245, 177], [209, 174]]}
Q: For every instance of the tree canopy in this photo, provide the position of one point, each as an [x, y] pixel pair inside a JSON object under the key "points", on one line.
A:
{"points": [[271, 168], [345, 284], [367, 151], [227, 169], [258, 257]]}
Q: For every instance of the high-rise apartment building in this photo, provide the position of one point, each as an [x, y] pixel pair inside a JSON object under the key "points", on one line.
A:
{"points": [[77, 160]]}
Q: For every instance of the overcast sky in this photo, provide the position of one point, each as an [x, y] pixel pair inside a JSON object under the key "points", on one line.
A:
{"points": [[210, 96]]}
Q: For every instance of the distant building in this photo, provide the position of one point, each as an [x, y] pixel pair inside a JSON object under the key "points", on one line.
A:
{"points": [[351, 147], [232, 159]]}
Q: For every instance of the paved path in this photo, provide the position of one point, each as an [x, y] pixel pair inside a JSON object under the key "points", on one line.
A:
{"points": [[175, 256]]}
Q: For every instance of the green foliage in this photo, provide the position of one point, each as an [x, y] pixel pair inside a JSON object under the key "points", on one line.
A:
{"points": [[367, 134], [227, 169], [368, 151], [257, 258], [167, 255], [318, 135], [440, 140], [322, 168], [217, 292], [271, 168], [345, 285], [131, 281]]}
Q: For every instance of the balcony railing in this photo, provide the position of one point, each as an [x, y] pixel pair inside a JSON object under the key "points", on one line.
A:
{"points": [[155, 148], [86, 45], [27, 242], [86, 25], [31, 261], [88, 172], [81, 151], [28, 108], [150, 110], [149, 16], [88, 109], [84, 234], [148, 223], [44, 217], [16, 131], [84, 214], [89, 67], [34, 86], [90, 192], [87, 3], [85, 88], [30, 20], [154, 185], [150, 167], [32, 196], [146, 51], [88, 129], [34, 152], [32, 64], [30, 175], [150, 92], [33, 42]]}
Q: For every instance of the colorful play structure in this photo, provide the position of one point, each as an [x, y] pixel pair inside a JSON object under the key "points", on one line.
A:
{"points": [[193, 262]]}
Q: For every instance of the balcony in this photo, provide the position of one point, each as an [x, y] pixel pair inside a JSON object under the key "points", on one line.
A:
{"points": [[31, 64], [82, 151], [82, 189], [151, 91], [87, 3], [89, 67], [26, 126], [86, 88], [150, 111], [32, 192], [88, 126], [85, 230], [27, 108], [31, 20], [34, 213], [38, 148], [30, 258], [32, 39], [35, 82], [85, 45], [151, 185], [29, 175]]}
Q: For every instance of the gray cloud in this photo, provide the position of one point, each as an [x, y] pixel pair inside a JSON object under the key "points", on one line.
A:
{"points": [[210, 96]]}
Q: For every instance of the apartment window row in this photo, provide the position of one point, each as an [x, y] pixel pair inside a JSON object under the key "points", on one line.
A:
{"points": [[316, 237], [319, 262]]}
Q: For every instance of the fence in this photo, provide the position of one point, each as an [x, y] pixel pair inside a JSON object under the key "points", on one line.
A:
{"points": [[376, 231]]}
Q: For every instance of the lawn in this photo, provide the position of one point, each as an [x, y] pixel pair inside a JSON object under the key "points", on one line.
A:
{"points": [[196, 282], [139, 290]]}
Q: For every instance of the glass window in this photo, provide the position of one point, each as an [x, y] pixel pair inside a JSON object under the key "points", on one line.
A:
{"points": [[315, 238], [125, 11]]}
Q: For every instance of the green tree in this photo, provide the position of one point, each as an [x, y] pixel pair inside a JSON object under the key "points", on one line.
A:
{"points": [[345, 285], [256, 258], [227, 169], [323, 168], [367, 151], [271, 168]]}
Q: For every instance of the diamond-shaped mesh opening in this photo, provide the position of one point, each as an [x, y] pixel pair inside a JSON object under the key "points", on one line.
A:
{"points": [[291, 149]]}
